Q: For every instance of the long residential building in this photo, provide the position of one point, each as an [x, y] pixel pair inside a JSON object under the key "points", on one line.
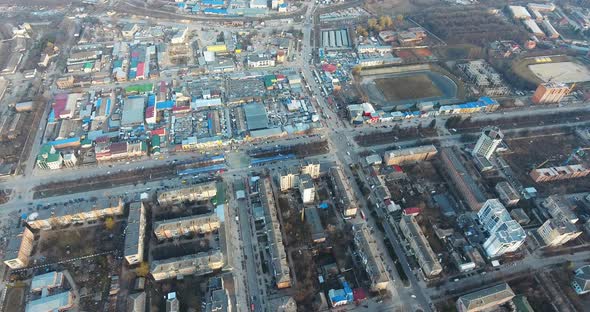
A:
{"points": [[367, 248], [462, 179], [559, 173], [195, 264], [178, 227], [280, 266], [18, 251], [76, 213], [485, 299], [135, 233], [344, 198], [198, 192], [409, 155], [426, 257]]}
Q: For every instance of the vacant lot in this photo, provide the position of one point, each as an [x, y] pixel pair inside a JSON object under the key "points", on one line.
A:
{"points": [[407, 87], [567, 72]]}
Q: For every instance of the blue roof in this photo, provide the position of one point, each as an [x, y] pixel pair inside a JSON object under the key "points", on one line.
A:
{"points": [[194, 171], [269, 159], [98, 102], [64, 141], [487, 100], [151, 100], [181, 5], [165, 104], [196, 8], [108, 110], [51, 117], [215, 11], [212, 2]]}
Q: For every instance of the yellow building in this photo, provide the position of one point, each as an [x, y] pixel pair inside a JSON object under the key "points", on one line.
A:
{"points": [[550, 93], [217, 48]]}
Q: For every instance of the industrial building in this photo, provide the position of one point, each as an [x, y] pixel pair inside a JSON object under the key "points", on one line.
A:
{"points": [[507, 194], [135, 234], [306, 189], [195, 264], [77, 213], [335, 39], [409, 155], [462, 179], [504, 234], [313, 219], [486, 299], [551, 31], [199, 192], [419, 244], [175, 228], [57, 302], [256, 116], [280, 266], [533, 27], [133, 111], [369, 253], [551, 92], [343, 192], [541, 175], [487, 143], [519, 12], [556, 232]]}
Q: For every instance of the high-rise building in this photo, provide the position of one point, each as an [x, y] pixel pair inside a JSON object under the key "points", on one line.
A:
{"points": [[289, 179], [550, 92], [505, 234], [489, 140], [556, 232], [312, 168], [306, 189]]}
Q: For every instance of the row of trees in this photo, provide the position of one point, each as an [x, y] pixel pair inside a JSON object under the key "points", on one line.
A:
{"points": [[376, 25]]}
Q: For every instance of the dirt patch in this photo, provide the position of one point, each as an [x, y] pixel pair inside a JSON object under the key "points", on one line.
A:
{"points": [[14, 299], [407, 87]]}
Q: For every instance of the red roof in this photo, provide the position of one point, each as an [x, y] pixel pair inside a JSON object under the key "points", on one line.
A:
{"points": [[119, 148], [397, 168], [412, 211], [140, 69], [359, 294], [150, 112], [163, 86], [159, 131], [180, 109], [329, 68]]}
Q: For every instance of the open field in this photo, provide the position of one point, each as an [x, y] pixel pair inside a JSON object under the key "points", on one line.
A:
{"points": [[397, 88], [566, 72], [400, 87], [468, 24], [528, 70]]}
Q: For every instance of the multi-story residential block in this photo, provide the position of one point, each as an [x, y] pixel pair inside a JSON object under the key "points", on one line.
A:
{"points": [[76, 213], [195, 264], [409, 155], [487, 143], [507, 194], [135, 233], [462, 179], [485, 299], [178, 227], [556, 232], [550, 92], [199, 192], [344, 198], [367, 248], [559, 173], [581, 280], [419, 244], [18, 251], [279, 263]]}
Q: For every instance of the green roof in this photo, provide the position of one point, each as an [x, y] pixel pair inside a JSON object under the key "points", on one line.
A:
{"points": [[140, 88], [88, 65], [155, 140], [522, 304], [220, 193]]}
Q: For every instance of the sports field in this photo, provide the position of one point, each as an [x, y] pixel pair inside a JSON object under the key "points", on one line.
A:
{"points": [[407, 87]]}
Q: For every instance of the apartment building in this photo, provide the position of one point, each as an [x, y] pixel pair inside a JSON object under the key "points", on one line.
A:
{"points": [[135, 234], [195, 264], [18, 250], [199, 192], [175, 228], [504, 234], [409, 155], [556, 232], [367, 248], [419, 244]]}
